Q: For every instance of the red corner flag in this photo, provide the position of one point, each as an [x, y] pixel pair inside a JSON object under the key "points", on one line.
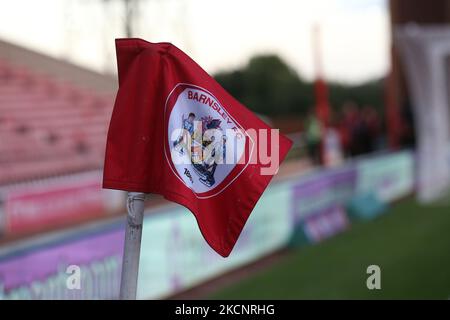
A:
{"points": [[176, 132]]}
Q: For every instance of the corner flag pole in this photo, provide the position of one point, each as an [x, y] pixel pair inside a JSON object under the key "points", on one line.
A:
{"points": [[132, 248]]}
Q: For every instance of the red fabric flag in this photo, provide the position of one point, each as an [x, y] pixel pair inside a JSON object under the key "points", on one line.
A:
{"points": [[169, 117]]}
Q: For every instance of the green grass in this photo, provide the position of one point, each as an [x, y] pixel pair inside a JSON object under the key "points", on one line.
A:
{"points": [[411, 244]]}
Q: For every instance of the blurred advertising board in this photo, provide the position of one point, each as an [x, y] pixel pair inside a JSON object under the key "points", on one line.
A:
{"points": [[41, 271], [326, 224], [53, 203], [174, 255], [390, 176], [318, 203], [319, 200]]}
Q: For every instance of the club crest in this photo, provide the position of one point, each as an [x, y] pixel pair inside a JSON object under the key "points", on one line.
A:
{"points": [[205, 146]]}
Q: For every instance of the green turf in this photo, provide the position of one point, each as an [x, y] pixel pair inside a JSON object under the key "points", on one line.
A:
{"points": [[411, 244]]}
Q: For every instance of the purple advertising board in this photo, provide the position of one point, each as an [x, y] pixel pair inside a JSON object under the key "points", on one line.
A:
{"points": [[318, 202], [43, 272]]}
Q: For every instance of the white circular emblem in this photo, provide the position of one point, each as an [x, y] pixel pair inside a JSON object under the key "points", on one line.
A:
{"points": [[205, 146]]}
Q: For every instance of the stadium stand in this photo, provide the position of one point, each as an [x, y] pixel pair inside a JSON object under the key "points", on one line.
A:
{"points": [[53, 116], [53, 122]]}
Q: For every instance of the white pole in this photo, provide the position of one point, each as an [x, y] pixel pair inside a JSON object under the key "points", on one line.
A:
{"points": [[132, 248]]}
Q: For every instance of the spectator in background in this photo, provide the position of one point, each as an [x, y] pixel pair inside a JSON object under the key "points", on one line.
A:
{"points": [[360, 130], [373, 124], [313, 130], [347, 127], [332, 145]]}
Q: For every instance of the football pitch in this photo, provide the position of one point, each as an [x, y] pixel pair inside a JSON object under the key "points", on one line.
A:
{"points": [[410, 243]]}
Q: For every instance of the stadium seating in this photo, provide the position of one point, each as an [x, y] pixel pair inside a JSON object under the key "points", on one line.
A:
{"points": [[48, 126]]}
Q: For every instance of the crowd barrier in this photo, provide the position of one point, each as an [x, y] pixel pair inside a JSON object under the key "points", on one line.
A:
{"points": [[297, 211]]}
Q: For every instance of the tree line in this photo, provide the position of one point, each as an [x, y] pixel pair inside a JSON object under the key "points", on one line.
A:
{"points": [[269, 86]]}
